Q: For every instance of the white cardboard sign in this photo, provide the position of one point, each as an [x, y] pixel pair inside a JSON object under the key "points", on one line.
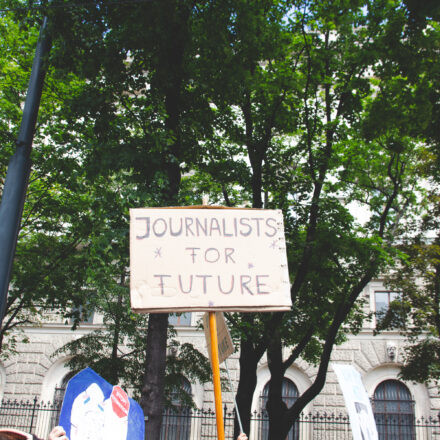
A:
{"points": [[363, 425], [208, 260]]}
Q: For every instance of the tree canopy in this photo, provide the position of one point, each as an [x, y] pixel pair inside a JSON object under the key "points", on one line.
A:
{"points": [[315, 108], [49, 260], [411, 79]]}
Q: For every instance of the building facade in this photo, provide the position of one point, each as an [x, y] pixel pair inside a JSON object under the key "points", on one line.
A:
{"points": [[36, 372]]}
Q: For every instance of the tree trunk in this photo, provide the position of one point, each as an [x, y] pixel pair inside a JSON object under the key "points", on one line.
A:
{"points": [[171, 81], [154, 379], [257, 183], [114, 375], [249, 355], [275, 406], [340, 314], [246, 386]]}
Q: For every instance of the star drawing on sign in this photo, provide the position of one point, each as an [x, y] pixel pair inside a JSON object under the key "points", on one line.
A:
{"points": [[273, 244], [211, 304], [158, 253], [250, 266]]}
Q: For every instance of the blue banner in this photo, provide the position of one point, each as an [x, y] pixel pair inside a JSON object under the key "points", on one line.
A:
{"points": [[93, 409]]}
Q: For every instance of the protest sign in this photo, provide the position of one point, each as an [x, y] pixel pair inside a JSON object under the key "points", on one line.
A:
{"points": [[208, 260], [94, 409], [225, 344], [358, 404]]}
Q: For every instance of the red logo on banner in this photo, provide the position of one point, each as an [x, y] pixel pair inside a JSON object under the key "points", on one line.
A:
{"points": [[120, 402]]}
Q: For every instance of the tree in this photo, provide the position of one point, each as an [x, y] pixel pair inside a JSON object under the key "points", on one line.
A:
{"points": [[316, 89], [289, 92], [145, 116], [255, 89], [48, 263], [411, 77], [377, 169], [415, 312]]}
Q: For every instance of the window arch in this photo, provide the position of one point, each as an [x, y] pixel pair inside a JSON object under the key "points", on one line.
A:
{"points": [[176, 422], [393, 408], [289, 393], [60, 389], [58, 396]]}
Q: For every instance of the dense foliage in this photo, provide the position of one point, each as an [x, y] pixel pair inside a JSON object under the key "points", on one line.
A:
{"points": [[322, 109]]}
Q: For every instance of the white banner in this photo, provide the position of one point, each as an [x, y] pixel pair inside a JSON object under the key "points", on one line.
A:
{"points": [[358, 404], [207, 260]]}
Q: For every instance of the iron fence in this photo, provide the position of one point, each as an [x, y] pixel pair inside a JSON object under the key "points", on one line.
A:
{"points": [[39, 417], [31, 416]]}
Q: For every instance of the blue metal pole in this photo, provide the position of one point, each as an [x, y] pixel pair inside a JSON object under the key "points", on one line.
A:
{"points": [[17, 177]]}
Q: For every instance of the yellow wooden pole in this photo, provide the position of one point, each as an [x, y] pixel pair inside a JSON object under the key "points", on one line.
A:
{"points": [[216, 376]]}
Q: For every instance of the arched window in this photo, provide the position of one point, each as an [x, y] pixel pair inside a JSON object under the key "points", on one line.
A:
{"points": [[58, 397], [289, 394], [176, 422], [394, 411]]}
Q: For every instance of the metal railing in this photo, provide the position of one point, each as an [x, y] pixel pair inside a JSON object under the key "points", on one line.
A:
{"points": [[39, 418], [31, 416]]}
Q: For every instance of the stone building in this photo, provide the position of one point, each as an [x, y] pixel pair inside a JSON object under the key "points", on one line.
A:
{"points": [[35, 372]]}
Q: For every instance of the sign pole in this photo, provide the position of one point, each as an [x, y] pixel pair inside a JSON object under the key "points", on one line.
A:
{"points": [[235, 401], [216, 376]]}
